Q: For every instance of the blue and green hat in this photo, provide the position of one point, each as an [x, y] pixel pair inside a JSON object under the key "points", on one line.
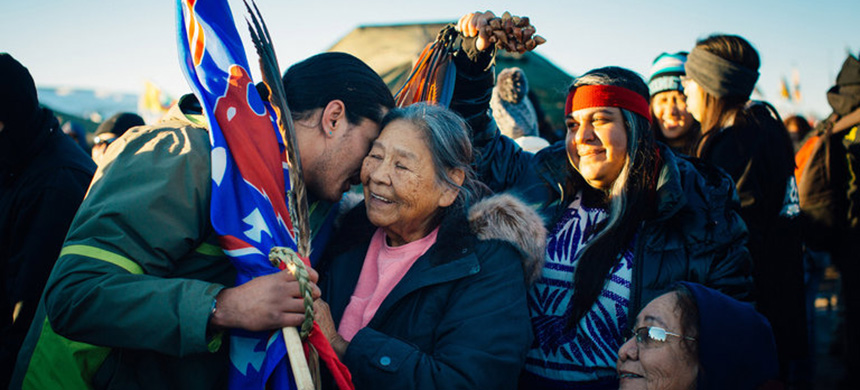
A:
{"points": [[666, 72]]}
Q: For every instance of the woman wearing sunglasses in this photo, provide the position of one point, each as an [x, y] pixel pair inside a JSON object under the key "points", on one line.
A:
{"points": [[694, 337]]}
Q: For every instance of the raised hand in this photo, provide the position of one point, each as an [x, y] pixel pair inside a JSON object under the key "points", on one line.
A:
{"points": [[511, 33]]}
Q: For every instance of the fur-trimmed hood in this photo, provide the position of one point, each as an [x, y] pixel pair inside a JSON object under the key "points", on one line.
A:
{"points": [[502, 217]]}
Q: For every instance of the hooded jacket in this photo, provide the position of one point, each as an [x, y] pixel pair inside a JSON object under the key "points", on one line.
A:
{"points": [[695, 233], [128, 304], [43, 178], [458, 318], [735, 343]]}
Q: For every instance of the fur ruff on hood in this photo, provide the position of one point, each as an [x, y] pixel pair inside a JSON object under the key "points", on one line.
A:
{"points": [[502, 217]]}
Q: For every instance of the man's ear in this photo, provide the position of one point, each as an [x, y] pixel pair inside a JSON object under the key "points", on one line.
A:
{"points": [[334, 117], [449, 194]]}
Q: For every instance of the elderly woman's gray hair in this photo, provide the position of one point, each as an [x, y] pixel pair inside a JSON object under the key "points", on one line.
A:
{"points": [[447, 137]]}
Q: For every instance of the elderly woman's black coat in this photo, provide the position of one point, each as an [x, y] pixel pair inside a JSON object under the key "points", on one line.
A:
{"points": [[458, 318]]}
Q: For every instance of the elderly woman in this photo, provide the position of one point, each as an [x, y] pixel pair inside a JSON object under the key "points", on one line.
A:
{"points": [[694, 337], [424, 297], [626, 217], [748, 140]]}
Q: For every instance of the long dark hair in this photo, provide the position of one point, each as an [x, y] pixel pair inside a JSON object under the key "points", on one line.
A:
{"points": [[318, 80], [717, 110], [630, 198]]}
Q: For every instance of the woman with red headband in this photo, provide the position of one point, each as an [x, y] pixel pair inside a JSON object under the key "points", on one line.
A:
{"points": [[627, 218]]}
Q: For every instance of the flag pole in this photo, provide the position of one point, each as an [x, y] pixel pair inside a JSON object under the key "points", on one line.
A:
{"points": [[297, 195]]}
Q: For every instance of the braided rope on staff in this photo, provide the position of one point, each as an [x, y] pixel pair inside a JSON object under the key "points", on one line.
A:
{"points": [[285, 258], [296, 196]]}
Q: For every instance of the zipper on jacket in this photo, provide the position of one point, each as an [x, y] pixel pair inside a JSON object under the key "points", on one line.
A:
{"points": [[635, 289]]}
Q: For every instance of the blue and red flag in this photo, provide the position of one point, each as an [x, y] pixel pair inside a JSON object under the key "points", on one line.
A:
{"points": [[249, 177]]}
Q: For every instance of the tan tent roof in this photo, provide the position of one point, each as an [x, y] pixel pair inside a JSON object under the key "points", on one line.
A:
{"points": [[392, 49]]}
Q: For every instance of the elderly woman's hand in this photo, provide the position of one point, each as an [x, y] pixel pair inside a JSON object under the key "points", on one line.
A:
{"points": [[512, 33], [322, 316]]}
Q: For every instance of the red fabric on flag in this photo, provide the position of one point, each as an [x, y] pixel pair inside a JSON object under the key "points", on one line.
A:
{"points": [[338, 370]]}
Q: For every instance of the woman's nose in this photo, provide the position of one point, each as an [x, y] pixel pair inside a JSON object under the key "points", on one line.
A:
{"points": [[584, 134], [379, 173], [629, 350]]}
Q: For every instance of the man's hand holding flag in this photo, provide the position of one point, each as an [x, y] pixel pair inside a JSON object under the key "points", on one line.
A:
{"points": [[250, 173]]}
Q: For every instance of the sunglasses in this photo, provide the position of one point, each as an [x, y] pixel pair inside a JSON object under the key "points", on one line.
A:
{"points": [[98, 141], [651, 336]]}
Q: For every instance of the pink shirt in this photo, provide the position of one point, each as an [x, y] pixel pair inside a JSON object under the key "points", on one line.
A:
{"points": [[383, 268]]}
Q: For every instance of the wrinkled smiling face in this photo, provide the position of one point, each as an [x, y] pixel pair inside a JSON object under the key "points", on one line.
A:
{"points": [[597, 144], [401, 191], [657, 365]]}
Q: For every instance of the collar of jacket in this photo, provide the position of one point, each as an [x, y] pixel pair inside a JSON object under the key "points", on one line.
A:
{"points": [[670, 194], [453, 233], [500, 217], [554, 168], [450, 258], [187, 111]]}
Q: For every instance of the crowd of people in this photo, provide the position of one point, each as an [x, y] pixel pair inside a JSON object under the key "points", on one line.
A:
{"points": [[665, 243]]}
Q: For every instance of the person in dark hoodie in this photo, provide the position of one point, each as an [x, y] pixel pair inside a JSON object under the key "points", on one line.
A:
{"points": [[43, 178], [697, 335]]}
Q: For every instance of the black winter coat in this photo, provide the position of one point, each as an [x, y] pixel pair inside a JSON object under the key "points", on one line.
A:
{"points": [[695, 233], [39, 195], [757, 153], [457, 320]]}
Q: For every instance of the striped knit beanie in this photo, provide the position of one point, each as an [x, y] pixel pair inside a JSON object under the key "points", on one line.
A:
{"points": [[666, 72]]}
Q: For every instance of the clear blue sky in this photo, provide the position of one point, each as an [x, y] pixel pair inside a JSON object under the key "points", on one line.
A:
{"points": [[116, 45]]}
